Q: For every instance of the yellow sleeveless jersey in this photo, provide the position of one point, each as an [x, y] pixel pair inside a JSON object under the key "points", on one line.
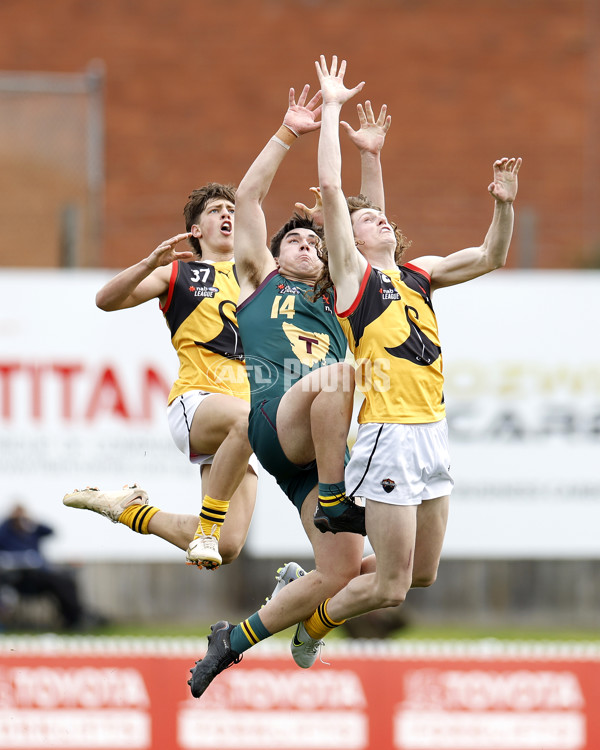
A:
{"points": [[393, 334], [200, 311]]}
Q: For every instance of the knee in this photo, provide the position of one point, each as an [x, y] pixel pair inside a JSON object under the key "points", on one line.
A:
{"points": [[391, 595], [328, 578], [229, 551], [424, 579], [239, 430], [333, 583], [394, 599]]}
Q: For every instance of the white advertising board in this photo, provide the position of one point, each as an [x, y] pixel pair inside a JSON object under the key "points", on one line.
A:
{"points": [[83, 394]]}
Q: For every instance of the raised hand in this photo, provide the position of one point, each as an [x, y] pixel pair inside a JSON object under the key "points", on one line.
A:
{"points": [[315, 213], [302, 117], [505, 184], [332, 81], [371, 133], [165, 253]]}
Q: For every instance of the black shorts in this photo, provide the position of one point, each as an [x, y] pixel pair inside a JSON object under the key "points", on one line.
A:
{"points": [[295, 481]]}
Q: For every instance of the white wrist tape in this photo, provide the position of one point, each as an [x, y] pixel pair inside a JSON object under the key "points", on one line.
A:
{"points": [[280, 142]]}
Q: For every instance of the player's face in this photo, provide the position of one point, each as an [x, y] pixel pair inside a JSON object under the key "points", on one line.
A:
{"points": [[372, 229], [214, 227], [298, 255]]}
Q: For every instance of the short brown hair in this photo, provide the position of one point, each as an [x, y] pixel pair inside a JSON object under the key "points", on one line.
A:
{"points": [[197, 201], [297, 221]]}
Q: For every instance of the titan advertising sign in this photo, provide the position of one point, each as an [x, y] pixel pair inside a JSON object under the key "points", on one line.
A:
{"points": [[83, 395]]}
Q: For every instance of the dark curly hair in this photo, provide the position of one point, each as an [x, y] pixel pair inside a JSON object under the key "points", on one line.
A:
{"points": [[197, 201], [356, 203], [297, 221]]}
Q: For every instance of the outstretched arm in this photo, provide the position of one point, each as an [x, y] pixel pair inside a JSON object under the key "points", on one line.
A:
{"points": [[369, 139], [346, 265], [252, 256], [491, 254], [145, 280]]}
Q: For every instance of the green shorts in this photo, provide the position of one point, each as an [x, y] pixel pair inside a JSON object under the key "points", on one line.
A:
{"points": [[295, 481]]}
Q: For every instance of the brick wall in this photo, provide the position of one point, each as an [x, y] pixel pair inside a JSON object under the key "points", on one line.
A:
{"points": [[194, 89]]}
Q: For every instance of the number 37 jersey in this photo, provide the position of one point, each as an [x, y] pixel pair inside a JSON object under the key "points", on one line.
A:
{"points": [[286, 335], [200, 311]]}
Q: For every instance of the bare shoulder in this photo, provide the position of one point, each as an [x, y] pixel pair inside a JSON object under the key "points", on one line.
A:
{"points": [[425, 263]]}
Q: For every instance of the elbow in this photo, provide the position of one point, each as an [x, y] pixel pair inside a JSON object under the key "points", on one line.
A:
{"points": [[330, 186], [498, 262], [102, 302], [248, 193], [495, 256]]}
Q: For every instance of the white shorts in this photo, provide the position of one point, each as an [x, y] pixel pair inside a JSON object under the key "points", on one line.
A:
{"points": [[400, 464], [180, 413]]}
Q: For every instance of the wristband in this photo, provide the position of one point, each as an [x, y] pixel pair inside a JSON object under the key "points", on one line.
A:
{"points": [[291, 130], [280, 142], [285, 135]]}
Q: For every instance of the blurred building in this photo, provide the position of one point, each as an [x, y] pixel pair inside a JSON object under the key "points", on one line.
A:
{"points": [[110, 113]]}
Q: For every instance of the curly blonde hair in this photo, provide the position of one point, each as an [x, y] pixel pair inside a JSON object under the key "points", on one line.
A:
{"points": [[356, 203]]}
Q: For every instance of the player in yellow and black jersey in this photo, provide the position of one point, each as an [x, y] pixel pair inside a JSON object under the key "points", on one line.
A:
{"points": [[208, 404], [400, 462]]}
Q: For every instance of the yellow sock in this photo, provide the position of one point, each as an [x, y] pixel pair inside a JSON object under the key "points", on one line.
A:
{"points": [[137, 517], [212, 516], [319, 624]]}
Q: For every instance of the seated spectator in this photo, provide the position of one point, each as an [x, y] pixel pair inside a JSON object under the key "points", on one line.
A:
{"points": [[25, 569]]}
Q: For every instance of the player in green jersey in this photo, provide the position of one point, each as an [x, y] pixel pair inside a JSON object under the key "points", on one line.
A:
{"points": [[302, 390]]}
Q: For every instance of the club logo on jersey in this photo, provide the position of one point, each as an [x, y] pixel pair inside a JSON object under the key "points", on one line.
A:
{"points": [[308, 346], [418, 348], [388, 485], [227, 342]]}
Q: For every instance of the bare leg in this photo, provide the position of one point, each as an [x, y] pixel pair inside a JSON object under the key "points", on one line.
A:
{"points": [[179, 529], [337, 560], [314, 417], [220, 427], [432, 519], [392, 533], [407, 541], [237, 521], [176, 528]]}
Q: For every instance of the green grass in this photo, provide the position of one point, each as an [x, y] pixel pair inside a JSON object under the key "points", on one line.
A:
{"points": [[501, 633], [422, 632]]}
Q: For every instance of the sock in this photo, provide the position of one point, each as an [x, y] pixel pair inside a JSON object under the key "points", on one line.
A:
{"points": [[319, 624], [212, 516], [331, 498], [137, 517], [248, 633]]}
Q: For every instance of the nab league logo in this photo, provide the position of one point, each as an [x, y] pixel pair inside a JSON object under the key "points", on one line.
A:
{"points": [[204, 291]]}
